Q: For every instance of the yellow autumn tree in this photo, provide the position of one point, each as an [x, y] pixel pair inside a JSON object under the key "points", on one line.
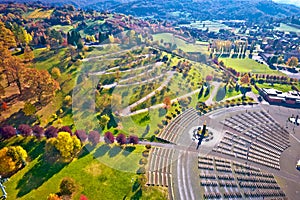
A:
{"points": [[12, 158], [67, 146]]}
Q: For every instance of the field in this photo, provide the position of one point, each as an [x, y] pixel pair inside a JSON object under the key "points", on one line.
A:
{"points": [[40, 14], [287, 28], [212, 26], [63, 28], [181, 44], [249, 65], [281, 87], [92, 173]]}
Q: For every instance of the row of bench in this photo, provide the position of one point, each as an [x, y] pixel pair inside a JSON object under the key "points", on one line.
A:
{"points": [[176, 127]]}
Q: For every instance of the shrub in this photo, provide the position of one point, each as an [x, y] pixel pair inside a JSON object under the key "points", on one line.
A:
{"points": [[24, 130], [38, 131], [94, 137], [109, 138], [81, 135], [67, 186], [7, 132], [65, 129], [148, 146]]}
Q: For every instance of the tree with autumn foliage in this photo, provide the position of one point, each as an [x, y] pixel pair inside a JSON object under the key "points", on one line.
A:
{"points": [[12, 158], [121, 139], [28, 54], [67, 146], [53, 197], [14, 71], [245, 80], [292, 62], [40, 84], [109, 137], [167, 102], [7, 37]]}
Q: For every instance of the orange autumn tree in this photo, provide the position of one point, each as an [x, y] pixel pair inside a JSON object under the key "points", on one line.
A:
{"points": [[167, 102]]}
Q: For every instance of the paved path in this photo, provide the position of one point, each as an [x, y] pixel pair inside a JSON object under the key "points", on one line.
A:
{"points": [[126, 111], [162, 104], [210, 100]]}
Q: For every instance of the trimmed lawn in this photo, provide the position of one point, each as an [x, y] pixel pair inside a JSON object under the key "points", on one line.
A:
{"points": [[92, 174], [249, 65], [281, 87]]}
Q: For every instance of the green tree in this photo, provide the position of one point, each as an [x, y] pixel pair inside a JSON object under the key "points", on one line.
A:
{"points": [[29, 109], [67, 186], [22, 37], [104, 119]]}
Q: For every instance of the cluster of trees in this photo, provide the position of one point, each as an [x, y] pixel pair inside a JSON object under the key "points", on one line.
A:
{"points": [[37, 83]]}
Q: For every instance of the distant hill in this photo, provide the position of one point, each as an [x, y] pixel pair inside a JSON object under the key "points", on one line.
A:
{"points": [[191, 9]]}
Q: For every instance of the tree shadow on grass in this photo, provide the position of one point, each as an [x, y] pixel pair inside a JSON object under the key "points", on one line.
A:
{"points": [[101, 151], [37, 175], [137, 195], [128, 150], [85, 150], [18, 118], [114, 151]]}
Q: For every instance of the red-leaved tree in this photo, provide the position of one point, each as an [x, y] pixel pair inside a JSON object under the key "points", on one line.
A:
{"points": [[81, 135], [7, 132], [133, 139], [121, 139], [109, 138], [24, 130], [65, 129], [51, 132], [94, 137], [38, 131]]}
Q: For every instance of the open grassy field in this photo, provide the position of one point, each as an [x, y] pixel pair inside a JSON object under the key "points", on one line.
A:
{"points": [[212, 26], [181, 44], [281, 87], [40, 14], [63, 28], [92, 173], [249, 65], [287, 28]]}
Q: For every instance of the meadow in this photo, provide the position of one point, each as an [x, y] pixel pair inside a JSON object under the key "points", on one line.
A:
{"points": [[249, 65], [181, 44]]}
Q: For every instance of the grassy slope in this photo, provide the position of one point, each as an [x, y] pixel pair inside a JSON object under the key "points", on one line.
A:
{"points": [[93, 176], [249, 65]]}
